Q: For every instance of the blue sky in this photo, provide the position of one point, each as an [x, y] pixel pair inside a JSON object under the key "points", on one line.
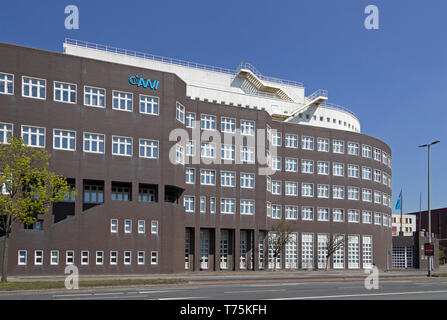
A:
{"points": [[394, 79]]}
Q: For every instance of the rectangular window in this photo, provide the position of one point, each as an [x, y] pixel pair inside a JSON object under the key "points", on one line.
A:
{"points": [[202, 204], [323, 191], [247, 180], [6, 83], [276, 187], [307, 213], [93, 194], [228, 152], [227, 179], [69, 257], [367, 195], [307, 250], [366, 151], [190, 175], [140, 257], [21, 257], [247, 207], [307, 166], [227, 206], [247, 154], [353, 216], [323, 214], [353, 252], [338, 215], [291, 141], [188, 202], [276, 139], [353, 193], [338, 169], [276, 211], [99, 257], [64, 140], [33, 136], [141, 227], [5, 132], [127, 226], [367, 217], [127, 257], [339, 254], [377, 155], [377, 197], [353, 171], [121, 146], [323, 168], [367, 252], [120, 193], [338, 146], [276, 163], [291, 212], [207, 177], [64, 92], [291, 165], [94, 142], [208, 122], [377, 218], [154, 257], [113, 258], [54, 257], [38, 257], [154, 227], [149, 105], [338, 192], [34, 88], [353, 149], [179, 154], [208, 150], [94, 97], [323, 145], [122, 101], [307, 143], [291, 188], [148, 149], [114, 225], [228, 125], [307, 190], [268, 209], [212, 205], [377, 176], [247, 128], [323, 240], [366, 173], [180, 113], [190, 120]]}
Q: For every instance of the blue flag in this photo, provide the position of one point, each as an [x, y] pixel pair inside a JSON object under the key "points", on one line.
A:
{"points": [[399, 201]]}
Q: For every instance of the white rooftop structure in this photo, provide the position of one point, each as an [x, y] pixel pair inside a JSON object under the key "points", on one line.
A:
{"points": [[243, 87]]}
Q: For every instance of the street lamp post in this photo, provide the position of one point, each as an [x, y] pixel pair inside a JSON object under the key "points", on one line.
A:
{"points": [[430, 258]]}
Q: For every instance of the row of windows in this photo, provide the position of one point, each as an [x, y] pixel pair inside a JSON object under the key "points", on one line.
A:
{"points": [[274, 211], [22, 257], [328, 120], [67, 93], [92, 142], [141, 226]]}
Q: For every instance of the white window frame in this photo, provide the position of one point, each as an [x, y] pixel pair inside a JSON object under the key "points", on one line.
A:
{"points": [[141, 227], [148, 145], [247, 127], [150, 103], [39, 86], [52, 252], [98, 96], [6, 81], [208, 122], [6, 132], [85, 256], [120, 98], [154, 227], [112, 225], [180, 112], [98, 141], [39, 134], [36, 257], [70, 91], [62, 137], [122, 141]]}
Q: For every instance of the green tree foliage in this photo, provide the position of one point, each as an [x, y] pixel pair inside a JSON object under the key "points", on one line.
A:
{"points": [[28, 188]]}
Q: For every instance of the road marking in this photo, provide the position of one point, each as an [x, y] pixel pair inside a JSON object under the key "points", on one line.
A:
{"points": [[251, 291], [362, 295], [275, 284], [182, 298], [156, 291], [357, 287], [73, 295], [107, 293]]}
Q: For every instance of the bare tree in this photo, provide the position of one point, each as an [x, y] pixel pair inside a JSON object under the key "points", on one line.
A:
{"points": [[279, 236], [333, 244]]}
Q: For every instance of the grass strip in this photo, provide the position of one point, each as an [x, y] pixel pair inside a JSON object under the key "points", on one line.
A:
{"points": [[36, 285]]}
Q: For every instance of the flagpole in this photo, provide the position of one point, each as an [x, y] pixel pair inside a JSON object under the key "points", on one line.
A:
{"points": [[401, 206]]}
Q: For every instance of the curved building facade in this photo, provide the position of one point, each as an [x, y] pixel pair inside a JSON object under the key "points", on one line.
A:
{"points": [[185, 167]]}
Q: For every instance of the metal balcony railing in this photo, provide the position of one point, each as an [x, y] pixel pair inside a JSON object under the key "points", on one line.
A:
{"points": [[318, 93], [337, 107], [252, 69]]}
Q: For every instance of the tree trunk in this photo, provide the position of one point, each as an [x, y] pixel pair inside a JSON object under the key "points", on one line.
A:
{"points": [[5, 258]]}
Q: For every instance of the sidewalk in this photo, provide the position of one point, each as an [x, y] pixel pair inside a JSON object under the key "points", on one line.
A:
{"points": [[200, 276]]}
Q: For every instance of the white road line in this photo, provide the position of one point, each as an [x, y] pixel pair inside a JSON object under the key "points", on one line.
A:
{"points": [[73, 295], [351, 287], [361, 295], [156, 291], [182, 298], [275, 284], [107, 293], [259, 291]]}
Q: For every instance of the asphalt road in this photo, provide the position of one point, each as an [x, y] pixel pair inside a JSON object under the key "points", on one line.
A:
{"points": [[394, 289]]}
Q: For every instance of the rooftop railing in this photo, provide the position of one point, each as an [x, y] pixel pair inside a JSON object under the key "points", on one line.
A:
{"points": [[318, 93], [337, 107], [178, 62]]}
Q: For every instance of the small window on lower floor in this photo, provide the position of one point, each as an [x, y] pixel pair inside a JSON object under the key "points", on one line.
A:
{"points": [[38, 257], [21, 258], [69, 257], [84, 257], [113, 257], [140, 257], [154, 257], [54, 257], [127, 257], [99, 257]]}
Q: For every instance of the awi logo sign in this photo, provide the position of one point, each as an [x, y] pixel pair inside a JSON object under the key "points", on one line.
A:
{"points": [[141, 82]]}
